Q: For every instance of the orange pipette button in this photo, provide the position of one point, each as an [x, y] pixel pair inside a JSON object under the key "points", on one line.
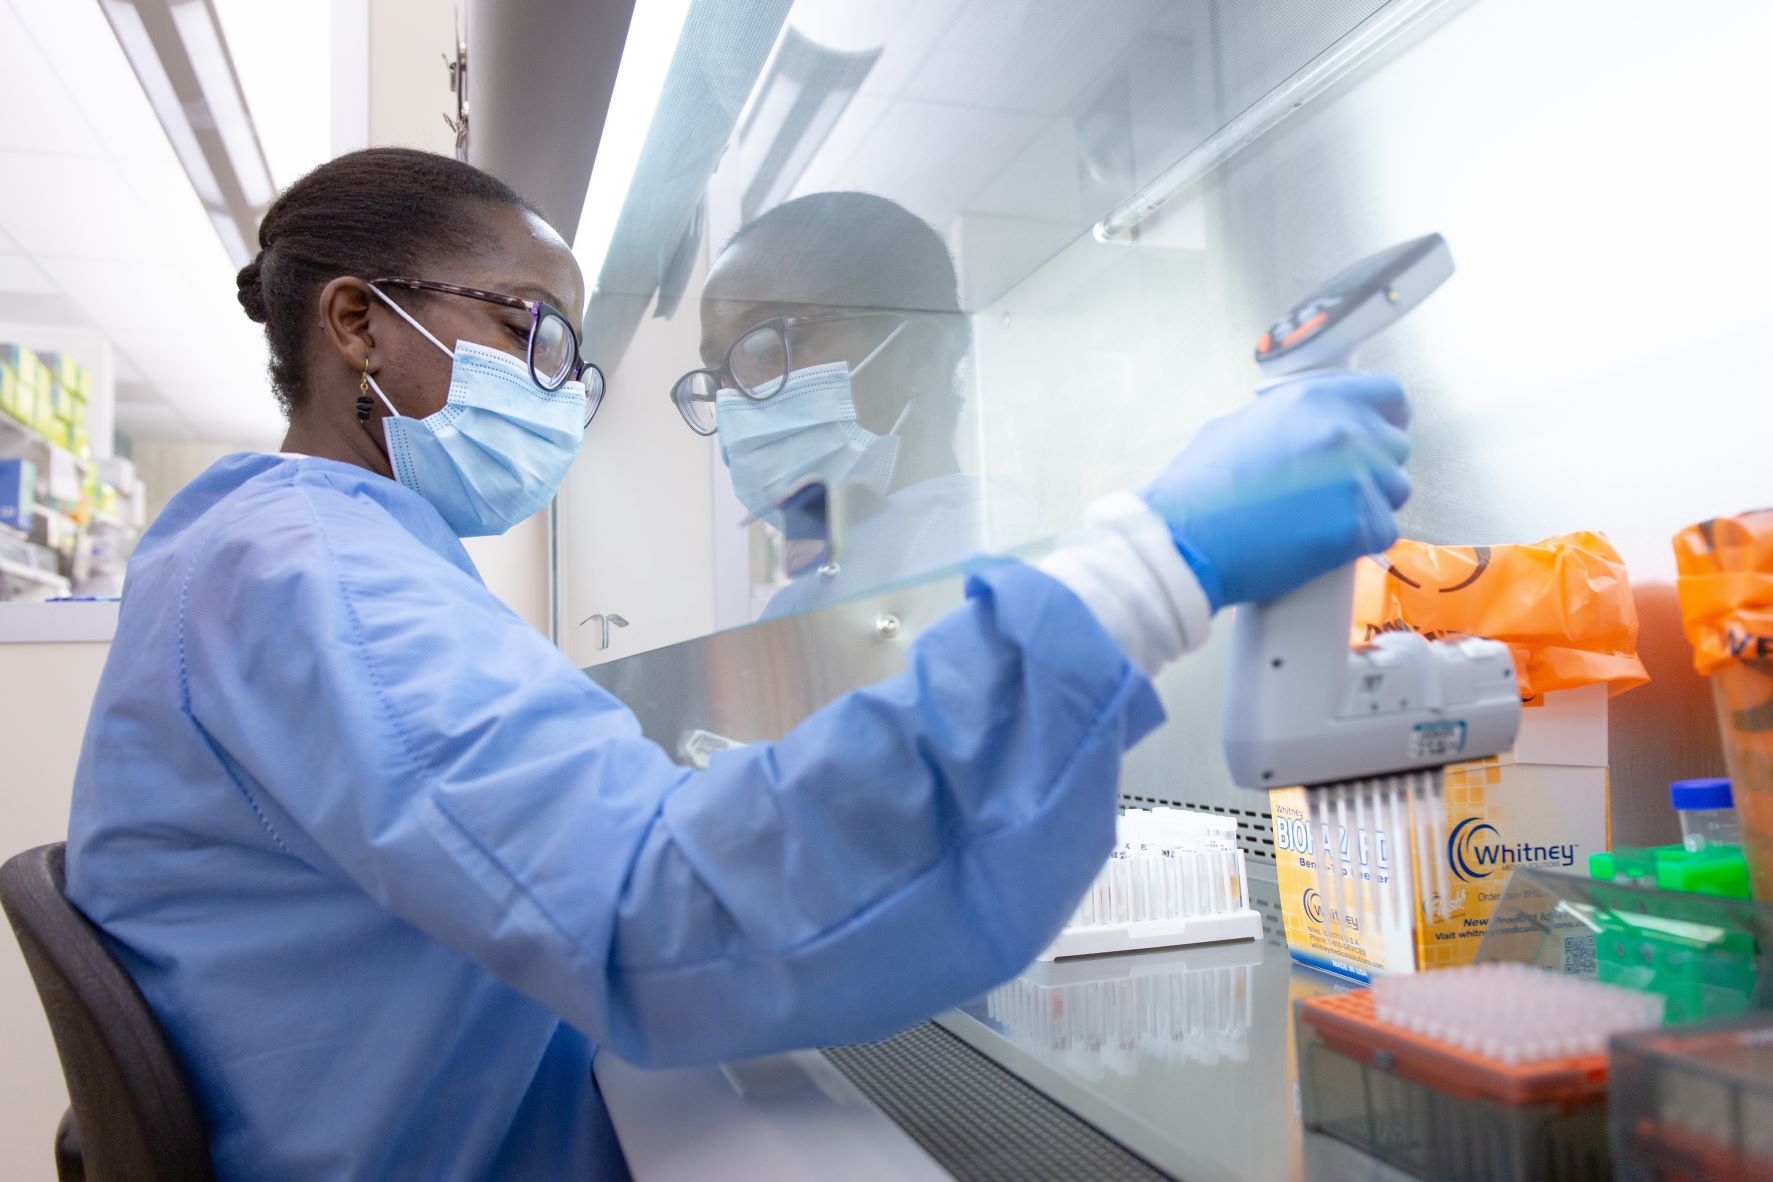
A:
{"points": [[1266, 343], [1305, 330]]}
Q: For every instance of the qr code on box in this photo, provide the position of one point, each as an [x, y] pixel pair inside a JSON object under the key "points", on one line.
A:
{"points": [[1579, 955]]}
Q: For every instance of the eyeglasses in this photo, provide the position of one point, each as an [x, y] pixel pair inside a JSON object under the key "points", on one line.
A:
{"points": [[553, 349], [758, 365]]}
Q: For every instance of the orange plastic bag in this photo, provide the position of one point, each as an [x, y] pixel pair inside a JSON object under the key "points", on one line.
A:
{"points": [[1725, 582], [1562, 605], [1726, 588]]}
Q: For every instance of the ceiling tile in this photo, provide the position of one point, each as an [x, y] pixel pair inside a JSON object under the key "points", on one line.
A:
{"points": [[20, 276], [79, 208], [38, 308], [186, 235], [904, 31], [853, 130], [39, 113], [931, 157], [1039, 183], [1030, 55], [128, 372], [125, 297], [76, 39]]}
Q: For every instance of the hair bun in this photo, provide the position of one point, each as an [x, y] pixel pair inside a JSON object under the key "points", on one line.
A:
{"points": [[250, 290]]}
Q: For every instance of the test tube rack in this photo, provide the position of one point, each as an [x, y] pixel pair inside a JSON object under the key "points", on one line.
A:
{"points": [[1111, 1014], [1174, 878]]}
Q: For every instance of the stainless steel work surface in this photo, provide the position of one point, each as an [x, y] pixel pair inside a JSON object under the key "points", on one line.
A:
{"points": [[1185, 1055]]}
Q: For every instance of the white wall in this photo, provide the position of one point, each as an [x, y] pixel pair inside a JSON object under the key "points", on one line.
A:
{"points": [[637, 516], [408, 97], [45, 691], [166, 466]]}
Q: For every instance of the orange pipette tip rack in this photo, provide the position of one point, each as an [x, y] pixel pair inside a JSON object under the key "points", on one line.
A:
{"points": [[1349, 1025]]}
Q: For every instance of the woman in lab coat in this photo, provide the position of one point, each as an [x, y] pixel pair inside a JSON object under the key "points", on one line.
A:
{"points": [[390, 869]]}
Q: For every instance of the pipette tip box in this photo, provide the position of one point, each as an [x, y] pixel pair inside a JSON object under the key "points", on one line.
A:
{"points": [[1695, 1102], [1542, 805], [1443, 1096], [1175, 878]]}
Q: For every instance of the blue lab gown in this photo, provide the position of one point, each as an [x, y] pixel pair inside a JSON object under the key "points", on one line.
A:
{"points": [[390, 869]]}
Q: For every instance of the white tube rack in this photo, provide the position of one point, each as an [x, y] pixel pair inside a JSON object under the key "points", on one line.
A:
{"points": [[1175, 878]]}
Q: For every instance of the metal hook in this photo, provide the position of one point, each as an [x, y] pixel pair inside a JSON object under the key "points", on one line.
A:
{"points": [[604, 622]]}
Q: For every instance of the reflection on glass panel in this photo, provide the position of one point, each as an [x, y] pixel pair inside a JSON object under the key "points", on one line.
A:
{"points": [[1120, 1014], [862, 229], [811, 288], [833, 341]]}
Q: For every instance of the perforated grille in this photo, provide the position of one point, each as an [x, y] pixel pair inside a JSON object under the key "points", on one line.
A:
{"points": [[1255, 829], [978, 1121]]}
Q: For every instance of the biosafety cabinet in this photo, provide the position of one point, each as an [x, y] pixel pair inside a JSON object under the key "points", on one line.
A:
{"points": [[1042, 237]]}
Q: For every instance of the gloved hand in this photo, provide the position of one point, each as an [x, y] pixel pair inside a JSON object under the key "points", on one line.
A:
{"points": [[1299, 482]]}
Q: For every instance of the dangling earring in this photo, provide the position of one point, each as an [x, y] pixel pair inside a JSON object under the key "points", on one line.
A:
{"points": [[364, 405]]}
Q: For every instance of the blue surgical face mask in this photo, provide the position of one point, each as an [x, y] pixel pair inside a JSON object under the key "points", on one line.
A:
{"points": [[805, 431], [499, 448]]}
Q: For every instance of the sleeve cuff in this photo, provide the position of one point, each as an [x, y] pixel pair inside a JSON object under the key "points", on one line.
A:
{"points": [[1126, 569]]}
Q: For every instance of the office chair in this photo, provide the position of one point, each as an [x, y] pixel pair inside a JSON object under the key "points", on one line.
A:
{"points": [[133, 1115]]}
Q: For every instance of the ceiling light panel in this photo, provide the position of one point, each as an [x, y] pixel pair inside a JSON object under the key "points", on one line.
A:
{"points": [[176, 50], [222, 100], [138, 46]]}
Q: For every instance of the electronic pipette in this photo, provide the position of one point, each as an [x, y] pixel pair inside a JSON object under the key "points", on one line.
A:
{"points": [[1367, 729]]}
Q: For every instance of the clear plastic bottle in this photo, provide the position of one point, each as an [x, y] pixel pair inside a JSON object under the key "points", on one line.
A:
{"points": [[1707, 810]]}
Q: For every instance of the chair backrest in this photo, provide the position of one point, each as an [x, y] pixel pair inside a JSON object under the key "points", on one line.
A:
{"points": [[133, 1108]]}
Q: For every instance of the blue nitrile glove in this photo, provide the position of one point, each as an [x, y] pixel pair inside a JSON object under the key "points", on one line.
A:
{"points": [[1299, 482]]}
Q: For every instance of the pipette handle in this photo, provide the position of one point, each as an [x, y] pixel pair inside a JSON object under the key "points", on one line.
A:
{"points": [[1289, 656]]}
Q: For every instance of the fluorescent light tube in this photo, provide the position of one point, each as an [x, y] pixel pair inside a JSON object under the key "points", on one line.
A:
{"points": [[232, 239], [139, 48], [653, 33], [221, 94]]}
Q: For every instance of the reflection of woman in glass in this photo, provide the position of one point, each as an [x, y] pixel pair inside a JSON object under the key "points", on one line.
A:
{"points": [[833, 337]]}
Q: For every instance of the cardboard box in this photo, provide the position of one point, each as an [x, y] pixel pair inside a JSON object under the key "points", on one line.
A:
{"points": [[69, 374], [32, 373], [43, 417], [18, 493], [1544, 804], [117, 470], [10, 391]]}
